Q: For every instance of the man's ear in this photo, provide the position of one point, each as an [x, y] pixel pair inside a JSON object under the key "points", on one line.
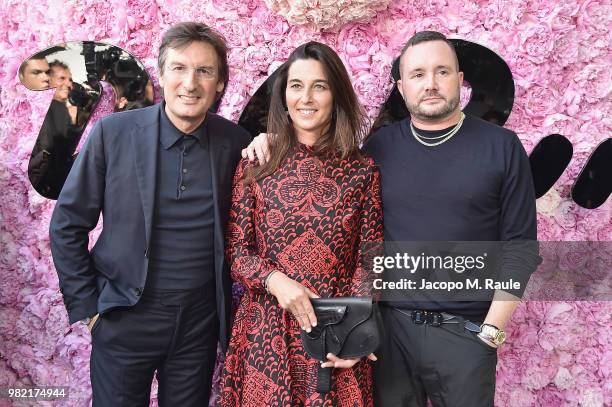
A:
{"points": [[220, 86], [399, 87]]}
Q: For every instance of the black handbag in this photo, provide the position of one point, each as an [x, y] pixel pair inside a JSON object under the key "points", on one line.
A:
{"points": [[348, 327]]}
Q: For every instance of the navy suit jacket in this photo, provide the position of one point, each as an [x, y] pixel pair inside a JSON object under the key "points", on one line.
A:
{"points": [[115, 175]]}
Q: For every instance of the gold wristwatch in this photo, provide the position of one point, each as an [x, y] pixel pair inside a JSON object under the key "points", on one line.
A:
{"points": [[493, 334]]}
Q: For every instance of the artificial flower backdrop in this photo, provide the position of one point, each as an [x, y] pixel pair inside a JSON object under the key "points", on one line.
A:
{"points": [[558, 353]]}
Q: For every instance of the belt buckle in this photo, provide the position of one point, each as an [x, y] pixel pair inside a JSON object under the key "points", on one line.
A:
{"points": [[418, 317], [436, 319]]}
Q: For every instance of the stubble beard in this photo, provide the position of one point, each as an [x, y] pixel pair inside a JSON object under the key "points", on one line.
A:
{"points": [[442, 112]]}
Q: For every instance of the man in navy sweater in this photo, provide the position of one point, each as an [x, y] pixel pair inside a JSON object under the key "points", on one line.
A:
{"points": [[447, 176]]}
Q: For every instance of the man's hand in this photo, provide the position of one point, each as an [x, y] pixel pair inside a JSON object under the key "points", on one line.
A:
{"points": [[295, 297], [334, 361], [258, 148], [91, 323], [72, 112], [488, 342]]}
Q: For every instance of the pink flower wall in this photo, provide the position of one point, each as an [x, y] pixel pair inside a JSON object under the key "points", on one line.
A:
{"points": [[558, 353]]}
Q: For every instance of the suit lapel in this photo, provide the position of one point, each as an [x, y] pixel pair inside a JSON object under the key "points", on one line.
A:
{"points": [[218, 150], [145, 144]]}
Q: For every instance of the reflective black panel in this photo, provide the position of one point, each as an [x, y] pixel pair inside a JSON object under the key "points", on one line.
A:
{"points": [[254, 117], [548, 160], [487, 73], [594, 184], [74, 70]]}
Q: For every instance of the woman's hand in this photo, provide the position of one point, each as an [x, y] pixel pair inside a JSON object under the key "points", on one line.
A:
{"points": [[259, 148], [294, 297], [334, 361]]}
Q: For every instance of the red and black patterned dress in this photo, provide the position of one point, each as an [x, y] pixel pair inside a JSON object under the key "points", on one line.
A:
{"points": [[308, 219]]}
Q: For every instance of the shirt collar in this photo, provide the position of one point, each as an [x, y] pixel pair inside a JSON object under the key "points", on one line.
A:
{"points": [[169, 134]]}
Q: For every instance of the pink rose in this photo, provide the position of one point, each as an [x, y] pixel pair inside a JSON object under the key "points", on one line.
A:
{"points": [[565, 358], [56, 324], [139, 45], [566, 49], [429, 7], [550, 396], [594, 14], [583, 378], [547, 229], [566, 216], [241, 7], [392, 31], [463, 15], [592, 396], [523, 69], [541, 101], [506, 14], [536, 40], [521, 397], [142, 13], [563, 336], [590, 358], [573, 256], [270, 26], [371, 92], [357, 46], [594, 82], [7, 376], [563, 379], [234, 32], [605, 364], [326, 14], [257, 58]]}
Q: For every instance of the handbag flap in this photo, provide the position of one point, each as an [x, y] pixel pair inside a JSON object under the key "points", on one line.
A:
{"points": [[344, 328]]}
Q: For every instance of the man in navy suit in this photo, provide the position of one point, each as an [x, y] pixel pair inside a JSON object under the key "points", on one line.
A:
{"points": [[154, 291]]}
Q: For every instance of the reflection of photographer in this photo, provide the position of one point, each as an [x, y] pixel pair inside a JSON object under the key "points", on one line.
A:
{"points": [[60, 78], [59, 135], [130, 94], [99, 63], [128, 79]]}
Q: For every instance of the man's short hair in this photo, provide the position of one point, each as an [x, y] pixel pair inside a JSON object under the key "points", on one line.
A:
{"points": [[427, 36], [22, 67], [58, 64], [183, 34]]}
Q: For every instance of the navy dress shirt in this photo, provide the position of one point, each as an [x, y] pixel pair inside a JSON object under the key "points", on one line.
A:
{"points": [[182, 253]]}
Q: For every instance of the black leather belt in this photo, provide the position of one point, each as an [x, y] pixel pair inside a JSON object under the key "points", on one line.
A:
{"points": [[435, 318]]}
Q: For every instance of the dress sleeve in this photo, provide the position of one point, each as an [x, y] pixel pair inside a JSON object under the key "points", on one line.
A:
{"points": [[371, 236], [247, 264]]}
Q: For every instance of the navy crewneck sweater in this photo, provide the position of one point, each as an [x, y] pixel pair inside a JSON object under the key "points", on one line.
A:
{"points": [[477, 186]]}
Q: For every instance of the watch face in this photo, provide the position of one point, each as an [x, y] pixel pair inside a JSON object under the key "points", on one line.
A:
{"points": [[500, 337]]}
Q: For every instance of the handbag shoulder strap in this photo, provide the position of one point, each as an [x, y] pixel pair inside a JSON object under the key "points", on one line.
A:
{"points": [[324, 379]]}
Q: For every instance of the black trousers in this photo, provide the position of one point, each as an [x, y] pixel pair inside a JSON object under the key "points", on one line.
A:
{"points": [[447, 364], [172, 332]]}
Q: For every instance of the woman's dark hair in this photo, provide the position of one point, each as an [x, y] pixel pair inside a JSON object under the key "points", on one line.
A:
{"points": [[348, 123]]}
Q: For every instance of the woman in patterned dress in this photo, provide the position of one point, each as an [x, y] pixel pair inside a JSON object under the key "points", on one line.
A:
{"points": [[298, 226]]}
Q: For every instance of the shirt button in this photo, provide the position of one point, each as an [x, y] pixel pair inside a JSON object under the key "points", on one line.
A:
{"points": [[182, 187], [184, 170]]}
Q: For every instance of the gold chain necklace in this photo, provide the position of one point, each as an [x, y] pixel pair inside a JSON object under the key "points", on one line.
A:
{"points": [[443, 138]]}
